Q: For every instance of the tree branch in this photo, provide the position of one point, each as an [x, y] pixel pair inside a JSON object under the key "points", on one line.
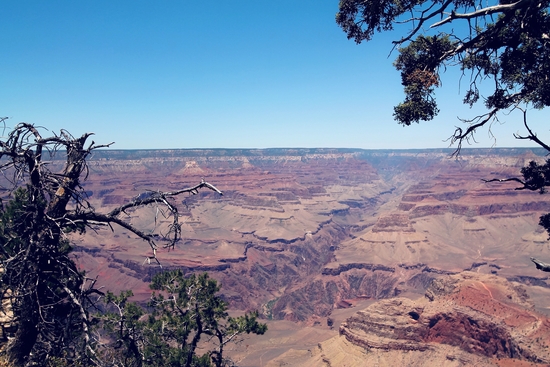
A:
{"points": [[482, 12], [459, 135], [508, 180], [540, 265], [421, 21], [532, 136]]}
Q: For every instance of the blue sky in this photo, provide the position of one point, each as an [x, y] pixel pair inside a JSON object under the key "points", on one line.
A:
{"points": [[216, 74]]}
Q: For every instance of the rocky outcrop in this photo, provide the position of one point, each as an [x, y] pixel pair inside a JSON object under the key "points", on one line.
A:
{"points": [[346, 267], [401, 324], [393, 223], [481, 315], [424, 210], [321, 296]]}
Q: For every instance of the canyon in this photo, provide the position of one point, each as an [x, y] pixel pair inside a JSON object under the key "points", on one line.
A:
{"points": [[310, 237]]}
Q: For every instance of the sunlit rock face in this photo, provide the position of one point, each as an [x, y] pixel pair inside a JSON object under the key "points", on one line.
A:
{"points": [[464, 319], [301, 232]]}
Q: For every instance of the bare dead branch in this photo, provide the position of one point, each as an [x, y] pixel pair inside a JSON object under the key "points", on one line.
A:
{"points": [[483, 12], [460, 136], [421, 20], [541, 265], [531, 136], [512, 179]]}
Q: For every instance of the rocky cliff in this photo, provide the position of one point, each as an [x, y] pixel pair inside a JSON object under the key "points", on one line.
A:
{"points": [[464, 319]]}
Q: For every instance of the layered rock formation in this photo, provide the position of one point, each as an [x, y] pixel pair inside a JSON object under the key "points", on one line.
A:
{"points": [[465, 319], [299, 233]]}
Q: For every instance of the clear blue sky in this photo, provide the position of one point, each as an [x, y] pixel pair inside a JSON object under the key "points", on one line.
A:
{"points": [[211, 74]]}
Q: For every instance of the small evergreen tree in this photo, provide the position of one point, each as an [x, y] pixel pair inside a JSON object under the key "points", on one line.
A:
{"points": [[187, 315]]}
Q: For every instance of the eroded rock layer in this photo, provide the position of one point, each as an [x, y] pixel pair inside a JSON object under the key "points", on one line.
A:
{"points": [[464, 319], [301, 232]]}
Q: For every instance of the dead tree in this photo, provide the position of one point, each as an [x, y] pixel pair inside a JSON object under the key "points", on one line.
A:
{"points": [[49, 296]]}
